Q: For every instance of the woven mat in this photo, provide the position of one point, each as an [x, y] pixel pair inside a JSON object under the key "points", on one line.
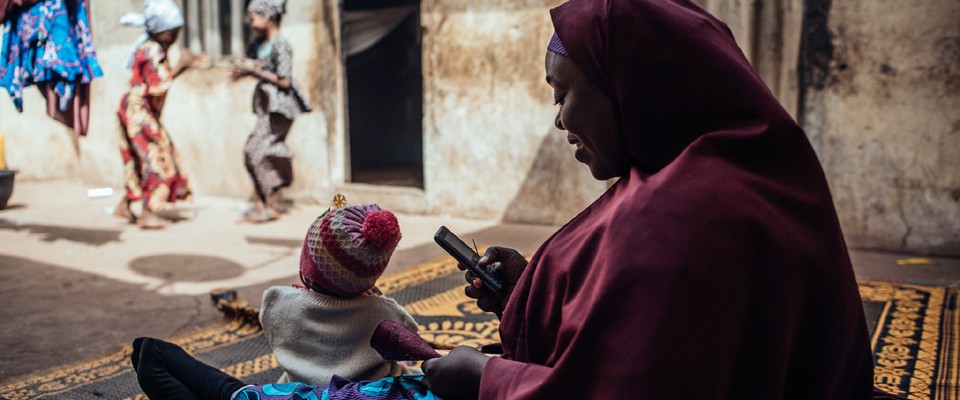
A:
{"points": [[914, 331]]}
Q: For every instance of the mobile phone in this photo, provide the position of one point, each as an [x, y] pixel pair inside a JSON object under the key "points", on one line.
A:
{"points": [[468, 258]]}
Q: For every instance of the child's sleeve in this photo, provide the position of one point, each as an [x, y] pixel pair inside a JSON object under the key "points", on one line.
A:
{"points": [[284, 59], [399, 314]]}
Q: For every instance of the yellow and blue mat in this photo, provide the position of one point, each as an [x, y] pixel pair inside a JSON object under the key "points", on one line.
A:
{"points": [[915, 333]]}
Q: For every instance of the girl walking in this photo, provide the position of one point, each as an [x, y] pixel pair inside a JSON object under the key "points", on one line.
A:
{"points": [[151, 166], [277, 101]]}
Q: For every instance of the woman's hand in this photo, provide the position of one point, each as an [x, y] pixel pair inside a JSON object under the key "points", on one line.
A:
{"points": [[456, 375], [509, 264]]}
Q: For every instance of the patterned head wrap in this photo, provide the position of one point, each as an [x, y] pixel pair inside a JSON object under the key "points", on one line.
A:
{"points": [[556, 46], [158, 16], [273, 9]]}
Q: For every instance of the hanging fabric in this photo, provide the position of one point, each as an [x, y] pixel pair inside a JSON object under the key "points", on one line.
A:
{"points": [[49, 44]]}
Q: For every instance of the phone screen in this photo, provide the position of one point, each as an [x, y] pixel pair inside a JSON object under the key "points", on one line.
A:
{"points": [[460, 247], [468, 257]]}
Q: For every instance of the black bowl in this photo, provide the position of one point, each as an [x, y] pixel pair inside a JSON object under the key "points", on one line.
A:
{"points": [[6, 186]]}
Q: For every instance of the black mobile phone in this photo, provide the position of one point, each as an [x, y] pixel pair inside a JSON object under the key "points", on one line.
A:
{"points": [[469, 258]]}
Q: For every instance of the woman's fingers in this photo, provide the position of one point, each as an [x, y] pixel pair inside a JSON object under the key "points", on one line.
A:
{"points": [[486, 300], [474, 292], [489, 303], [493, 254], [469, 276]]}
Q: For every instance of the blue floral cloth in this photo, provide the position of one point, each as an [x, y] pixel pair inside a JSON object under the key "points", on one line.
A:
{"points": [[408, 387], [48, 43]]}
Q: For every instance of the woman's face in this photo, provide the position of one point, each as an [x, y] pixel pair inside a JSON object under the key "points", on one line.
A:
{"points": [[587, 115], [258, 22]]}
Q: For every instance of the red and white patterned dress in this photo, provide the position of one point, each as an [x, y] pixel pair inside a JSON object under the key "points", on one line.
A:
{"points": [[151, 171]]}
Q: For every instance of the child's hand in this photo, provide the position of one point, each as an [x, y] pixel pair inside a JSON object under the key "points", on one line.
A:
{"points": [[237, 72], [241, 70], [189, 59], [199, 60]]}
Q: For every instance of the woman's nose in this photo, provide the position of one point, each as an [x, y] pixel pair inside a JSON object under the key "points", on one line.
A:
{"points": [[557, 122]]}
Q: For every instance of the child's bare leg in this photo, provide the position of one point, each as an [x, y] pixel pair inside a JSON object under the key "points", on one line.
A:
{"points": [[122, 210]]}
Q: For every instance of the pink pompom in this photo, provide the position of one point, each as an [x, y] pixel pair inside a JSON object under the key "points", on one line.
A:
{"points": [[381, 228]]}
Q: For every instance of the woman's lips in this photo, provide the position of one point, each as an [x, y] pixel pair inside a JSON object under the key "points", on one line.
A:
{"points": [[580, 153]]}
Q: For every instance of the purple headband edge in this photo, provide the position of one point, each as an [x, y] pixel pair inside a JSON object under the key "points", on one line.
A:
{"points": [[556, 46]]}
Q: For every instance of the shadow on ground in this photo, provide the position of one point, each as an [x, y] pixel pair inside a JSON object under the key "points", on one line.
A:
{"points": [[186, 267], [54, 316], [294, 243], [16, 206], [52, 233]]}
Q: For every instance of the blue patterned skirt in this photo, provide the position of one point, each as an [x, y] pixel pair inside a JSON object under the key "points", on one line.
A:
{"points": [[408, 387]]}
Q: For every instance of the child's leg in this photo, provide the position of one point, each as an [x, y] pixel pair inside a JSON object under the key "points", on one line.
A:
{"points": [[165, 370], [153, 374]]}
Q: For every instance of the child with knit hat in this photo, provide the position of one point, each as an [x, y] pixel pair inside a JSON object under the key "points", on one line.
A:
{"points": [[324, 328], [316, 330]]}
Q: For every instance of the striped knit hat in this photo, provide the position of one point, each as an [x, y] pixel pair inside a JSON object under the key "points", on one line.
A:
{"points": [[347, 248]]}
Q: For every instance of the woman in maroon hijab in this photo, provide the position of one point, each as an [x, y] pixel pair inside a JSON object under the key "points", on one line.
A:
{"points": [[713, 269]]}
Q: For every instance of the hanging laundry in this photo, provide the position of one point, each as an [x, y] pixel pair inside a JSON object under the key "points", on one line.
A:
{"points": [[7, 5], [49, 44]]}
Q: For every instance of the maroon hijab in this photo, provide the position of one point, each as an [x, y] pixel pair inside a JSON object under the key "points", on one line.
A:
{"points": [[716, 269]]}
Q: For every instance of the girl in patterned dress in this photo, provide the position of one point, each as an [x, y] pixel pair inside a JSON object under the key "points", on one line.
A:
{"points": [[151, 170], [277, 101]]}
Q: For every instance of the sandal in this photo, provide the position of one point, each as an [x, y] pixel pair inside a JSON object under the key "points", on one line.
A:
{"points": [[150, 220], [229, 295], [259, 216], [239, 309]]}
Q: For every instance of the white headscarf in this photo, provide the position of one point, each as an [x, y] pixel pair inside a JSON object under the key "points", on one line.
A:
{"points": [[158, 16], [270, 8]]}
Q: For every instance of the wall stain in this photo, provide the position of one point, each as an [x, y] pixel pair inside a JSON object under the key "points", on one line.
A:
{"points": [[816, 51]]}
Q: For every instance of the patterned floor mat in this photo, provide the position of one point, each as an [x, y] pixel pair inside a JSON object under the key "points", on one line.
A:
{"points": [[914, 331]]}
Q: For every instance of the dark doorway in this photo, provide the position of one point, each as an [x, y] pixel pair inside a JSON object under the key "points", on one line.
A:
{"points": [[382, 42]]}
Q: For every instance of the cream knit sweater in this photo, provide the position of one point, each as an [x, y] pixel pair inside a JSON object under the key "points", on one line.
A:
{"points": [[315, 336]]}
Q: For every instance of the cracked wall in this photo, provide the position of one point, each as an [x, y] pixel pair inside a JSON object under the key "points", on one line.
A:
{"points": [[880, 104]]}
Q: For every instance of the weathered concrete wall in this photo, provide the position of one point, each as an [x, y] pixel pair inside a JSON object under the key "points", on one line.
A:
{"points": [[877, 91], [881, 105], [490, 148], [768, 32], [489, 115]]}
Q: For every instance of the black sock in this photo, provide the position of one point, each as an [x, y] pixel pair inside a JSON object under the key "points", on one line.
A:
{"points": [[135, 355], [155, 379]]}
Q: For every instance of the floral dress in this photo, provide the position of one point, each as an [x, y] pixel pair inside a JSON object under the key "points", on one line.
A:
{"points": [[151, 171], [48, 42]]}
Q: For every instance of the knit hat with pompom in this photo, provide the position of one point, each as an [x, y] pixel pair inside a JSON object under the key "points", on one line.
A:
{"points": [[347, 248]]}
